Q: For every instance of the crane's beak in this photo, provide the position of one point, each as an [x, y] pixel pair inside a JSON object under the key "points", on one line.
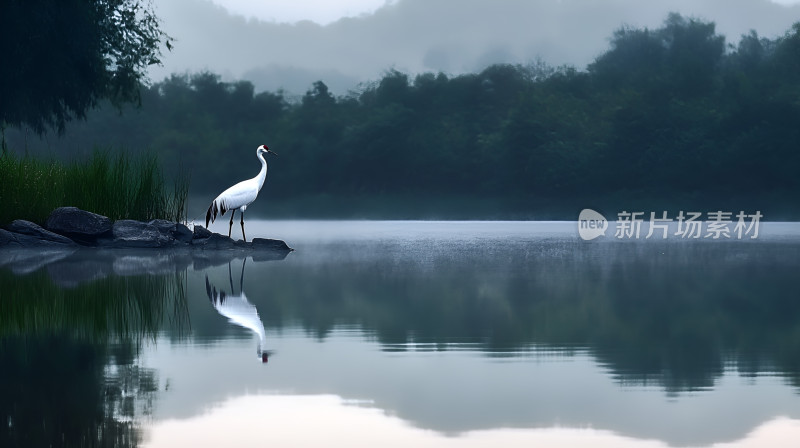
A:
{"points": [[273, 152]]}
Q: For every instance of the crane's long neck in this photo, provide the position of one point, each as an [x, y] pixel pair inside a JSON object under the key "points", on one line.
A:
{"points": [[262, 175]]}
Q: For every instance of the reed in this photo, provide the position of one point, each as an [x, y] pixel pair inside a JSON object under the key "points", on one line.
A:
{"points": [[116, 185]]}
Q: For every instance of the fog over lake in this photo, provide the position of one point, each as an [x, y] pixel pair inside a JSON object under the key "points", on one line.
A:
{"points": [[438, 333]]}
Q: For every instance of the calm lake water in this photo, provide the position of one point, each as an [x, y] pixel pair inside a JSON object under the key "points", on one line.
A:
{"points": [[383, 333]]}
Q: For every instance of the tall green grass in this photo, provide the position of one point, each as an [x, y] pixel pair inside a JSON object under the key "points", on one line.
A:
{"points": [[116, 185]]}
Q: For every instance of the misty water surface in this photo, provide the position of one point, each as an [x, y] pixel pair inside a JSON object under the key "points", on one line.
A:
{"points": [[413, 333]]}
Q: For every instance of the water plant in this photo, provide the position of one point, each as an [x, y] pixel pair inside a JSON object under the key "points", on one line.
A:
{"points": [[114, 184]]}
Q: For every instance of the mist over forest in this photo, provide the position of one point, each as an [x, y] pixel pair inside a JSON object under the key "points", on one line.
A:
{"points": [[415, 36], [669, 118]]}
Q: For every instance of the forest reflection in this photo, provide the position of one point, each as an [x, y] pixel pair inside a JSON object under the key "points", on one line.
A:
{"points": [[73, 324], [674, 316], [670, 315], [71, 332]]}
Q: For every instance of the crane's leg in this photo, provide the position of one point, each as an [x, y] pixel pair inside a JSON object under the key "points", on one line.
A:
{"points": [[243, 237], [233, 212]]}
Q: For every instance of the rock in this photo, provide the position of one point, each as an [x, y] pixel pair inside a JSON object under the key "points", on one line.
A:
{"points": [[9, 238], [71, 265], [183, 233], [70, 226], [32, 229], [20, 240], [268, 244], [163, 225], [79, 225], [215, 241], [201, 232], [130, 233], [175, 230]]}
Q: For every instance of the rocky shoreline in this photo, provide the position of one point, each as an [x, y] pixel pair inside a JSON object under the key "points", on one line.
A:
{"points": [[72, 227]]}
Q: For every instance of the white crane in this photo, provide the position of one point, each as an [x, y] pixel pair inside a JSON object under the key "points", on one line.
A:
{"points": [[239, 310], [240, 195]]}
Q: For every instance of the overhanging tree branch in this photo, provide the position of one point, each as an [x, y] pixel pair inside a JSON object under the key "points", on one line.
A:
{"points": [[60, 57]]}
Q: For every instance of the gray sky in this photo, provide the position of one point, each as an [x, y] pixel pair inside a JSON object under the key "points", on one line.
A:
{"points": [[279, 44]]}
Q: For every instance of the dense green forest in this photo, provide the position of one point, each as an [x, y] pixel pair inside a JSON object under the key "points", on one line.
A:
{"points": [[666, 119]]}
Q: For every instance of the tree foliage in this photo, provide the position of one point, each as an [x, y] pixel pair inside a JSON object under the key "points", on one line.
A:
{"points": [[62, 56], [669, 117]]}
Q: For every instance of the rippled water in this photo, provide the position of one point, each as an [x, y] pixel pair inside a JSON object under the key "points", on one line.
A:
{"points": [[402, 333]]}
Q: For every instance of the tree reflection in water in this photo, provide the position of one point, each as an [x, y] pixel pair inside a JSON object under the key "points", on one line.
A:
{"points": [[70, 372], [56, 390], [672, 315]]}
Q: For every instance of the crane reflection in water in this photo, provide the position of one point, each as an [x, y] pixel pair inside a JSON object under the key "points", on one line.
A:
{"points": [[239, 310]]}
